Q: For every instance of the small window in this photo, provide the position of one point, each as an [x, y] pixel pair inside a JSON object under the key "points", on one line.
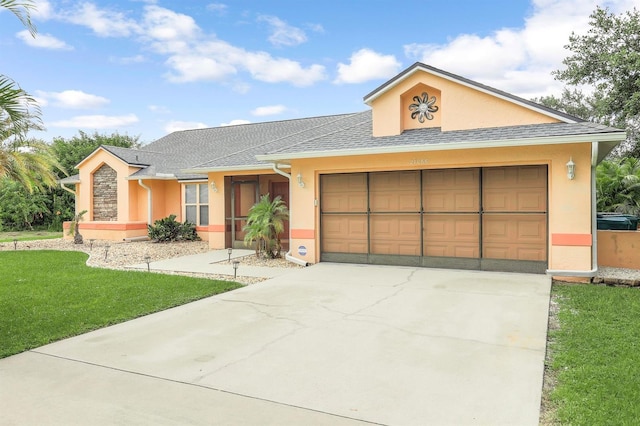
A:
{"points": [[196, 204]]}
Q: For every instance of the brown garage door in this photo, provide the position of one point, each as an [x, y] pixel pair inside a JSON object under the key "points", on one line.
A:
{"points": [[476, 218]]}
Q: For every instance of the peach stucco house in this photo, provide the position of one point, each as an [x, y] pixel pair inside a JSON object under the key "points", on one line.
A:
{"points": [[441, 171]]}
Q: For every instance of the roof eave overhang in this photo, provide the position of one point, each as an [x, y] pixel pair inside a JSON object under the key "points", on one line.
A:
{"points": [[369, 99], [498, 143], [204, 170], [151, 178]]}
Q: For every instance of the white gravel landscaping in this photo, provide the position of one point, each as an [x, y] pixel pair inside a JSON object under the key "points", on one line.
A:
{"points": [[120, 254]]}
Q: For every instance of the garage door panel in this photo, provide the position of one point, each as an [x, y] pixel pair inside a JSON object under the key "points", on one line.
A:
{"points": [[344, 193], [395, 234], [518, 237], [452, 235], [344, 233], [515, 189], [395, 192], [454, 190]]}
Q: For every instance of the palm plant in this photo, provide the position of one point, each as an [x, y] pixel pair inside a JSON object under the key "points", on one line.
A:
{"points": [[618, 186], [30, 163], [264, 225]]}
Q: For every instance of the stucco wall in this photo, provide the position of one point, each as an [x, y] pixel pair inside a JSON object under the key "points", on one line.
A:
{"points": [[460, 107], [569, 200], [619, 249]]}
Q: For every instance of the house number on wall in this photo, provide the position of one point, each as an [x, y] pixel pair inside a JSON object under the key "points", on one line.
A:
{"points": [[417, 161]]}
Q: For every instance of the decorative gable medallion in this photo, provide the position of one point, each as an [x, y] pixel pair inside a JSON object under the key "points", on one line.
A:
{"points": [[423, 107]]}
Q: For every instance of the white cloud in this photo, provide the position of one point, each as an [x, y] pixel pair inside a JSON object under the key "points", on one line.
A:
{"points": [[97, 121], [105, 23], [43, 41], [188, 68], [176, 126], [166, 25], [283, 34], [218, 8], [235, 123], [126, 60], [159, 109], [367, 65], [518, 60], [73, 99], [269, 110], [192, 55], [42, 10]]}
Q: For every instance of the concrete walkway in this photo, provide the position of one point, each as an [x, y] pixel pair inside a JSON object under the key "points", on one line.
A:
{"points": [[330, 344], [214, 262]]}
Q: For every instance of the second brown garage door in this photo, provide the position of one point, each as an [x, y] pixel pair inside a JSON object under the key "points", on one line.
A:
{"points": [[475, 218]]}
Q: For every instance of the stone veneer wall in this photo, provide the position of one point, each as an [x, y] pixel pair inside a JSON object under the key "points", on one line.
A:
{"points": [[105, 194]]}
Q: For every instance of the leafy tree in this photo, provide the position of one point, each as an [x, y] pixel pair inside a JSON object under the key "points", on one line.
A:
{"points": [[20, 209], [264, 225], [70, 152], [618, 186], [608, 59]]}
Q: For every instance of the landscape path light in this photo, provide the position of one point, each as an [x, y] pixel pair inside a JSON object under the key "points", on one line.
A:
{"points": [[106, 251], [147, 259], [15, 244], [229, 251], [235, 268]]}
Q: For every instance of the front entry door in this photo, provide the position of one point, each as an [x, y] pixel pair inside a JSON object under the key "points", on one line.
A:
{"points": [[243, 196]]}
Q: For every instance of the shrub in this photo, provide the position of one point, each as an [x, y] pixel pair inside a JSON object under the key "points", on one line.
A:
{"points": [[169, 229]]}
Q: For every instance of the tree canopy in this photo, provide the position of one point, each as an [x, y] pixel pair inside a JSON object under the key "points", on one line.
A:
{"points": [[607, 58], [70, 152]]}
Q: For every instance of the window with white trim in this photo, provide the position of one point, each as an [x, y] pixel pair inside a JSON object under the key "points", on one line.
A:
{"points": [[196, 203]]}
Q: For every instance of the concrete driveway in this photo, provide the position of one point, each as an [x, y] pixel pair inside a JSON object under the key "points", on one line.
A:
{"points": [[330, 344]]}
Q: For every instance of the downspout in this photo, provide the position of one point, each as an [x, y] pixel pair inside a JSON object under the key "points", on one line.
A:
{"points": [[288, 255], [594, 225], [149, 199]]}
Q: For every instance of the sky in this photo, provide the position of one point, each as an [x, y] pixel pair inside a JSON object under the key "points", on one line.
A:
{"points": [[146, 68]]}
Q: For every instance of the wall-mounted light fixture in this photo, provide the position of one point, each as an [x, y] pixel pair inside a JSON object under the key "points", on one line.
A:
{"points": [[300, 181], [214, 188], [571, 169]]}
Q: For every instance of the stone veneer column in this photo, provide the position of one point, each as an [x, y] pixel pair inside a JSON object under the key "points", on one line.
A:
{"points": [[105, 194]]}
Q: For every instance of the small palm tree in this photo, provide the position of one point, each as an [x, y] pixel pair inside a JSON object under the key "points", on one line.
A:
{"points": [[264, 225]]}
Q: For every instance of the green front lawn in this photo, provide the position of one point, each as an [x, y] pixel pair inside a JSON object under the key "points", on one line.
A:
{"points": [[6, 237], [596, 355], [50, 295]]}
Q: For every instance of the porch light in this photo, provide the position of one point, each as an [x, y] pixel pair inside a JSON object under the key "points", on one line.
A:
{"points": [[300, 182], [235, 268], [214, 188], [571, 169], [229, 251]]}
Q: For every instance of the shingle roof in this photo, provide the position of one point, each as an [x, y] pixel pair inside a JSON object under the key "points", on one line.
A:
{"points": [[187, 154], [229, 146], [358, 137]]}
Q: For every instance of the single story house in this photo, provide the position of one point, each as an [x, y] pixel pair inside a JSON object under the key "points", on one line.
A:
{"points": [[440, 171]]}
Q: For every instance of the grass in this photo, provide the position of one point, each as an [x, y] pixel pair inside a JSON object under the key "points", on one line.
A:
{"points": [[6, 237], [50, 295], [595, 355]]}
